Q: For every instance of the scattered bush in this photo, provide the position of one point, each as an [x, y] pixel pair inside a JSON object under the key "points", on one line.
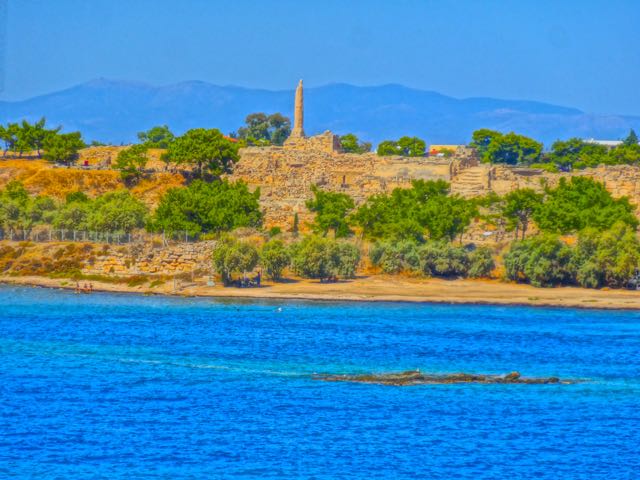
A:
{"points": [[481, 263], [322, 258], [274, 258], [233, 256], [543, 261], [441, 259], [396, 257]]}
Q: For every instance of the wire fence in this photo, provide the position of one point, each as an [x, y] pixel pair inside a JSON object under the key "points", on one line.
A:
{"points": [[56, 235]]}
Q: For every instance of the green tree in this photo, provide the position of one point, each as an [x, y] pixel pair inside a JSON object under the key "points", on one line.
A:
{"points": [[206, 150], [513, 149], [74, 213], [156, 137], [609, 257], [257, 128], [396, 256], [519, 207], [624, 155], [233, 256], [131, 162], [580, 203], [412, 147], [388, 147], [32, 137], [207, 207], [441, 259], [274, 258], [263, 129], [20, 212], [42, 210], [425, 210], [542, 260], [481, 263], [9, 135], [481, 139], [331, 211], [351, 144], [116, 212], [632, 138], [14, 203], [346, 257], [279, 128], [577, 153], [63, 148], [323, 258]]}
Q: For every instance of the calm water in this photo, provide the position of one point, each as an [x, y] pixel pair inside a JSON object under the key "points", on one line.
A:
{"points": [[127, 387]]}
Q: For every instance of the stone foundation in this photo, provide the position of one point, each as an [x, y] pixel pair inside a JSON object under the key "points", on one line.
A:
{"points": [[150, 259]]}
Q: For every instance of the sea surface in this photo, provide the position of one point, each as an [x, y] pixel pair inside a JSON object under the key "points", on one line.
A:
{"points": [[132, 387]]}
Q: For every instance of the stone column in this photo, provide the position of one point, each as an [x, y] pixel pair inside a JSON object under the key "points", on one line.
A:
{"points": [[298, 118]]}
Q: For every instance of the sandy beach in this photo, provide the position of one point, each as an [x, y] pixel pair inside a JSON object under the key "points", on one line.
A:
{"points": [[378, 288]]}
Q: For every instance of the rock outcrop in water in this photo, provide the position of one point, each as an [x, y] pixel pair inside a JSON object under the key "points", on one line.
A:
{"points": [[415, 377]]}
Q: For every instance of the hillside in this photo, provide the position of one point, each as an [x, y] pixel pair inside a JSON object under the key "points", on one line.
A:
{"points": [[42, 178], [113, 111]]}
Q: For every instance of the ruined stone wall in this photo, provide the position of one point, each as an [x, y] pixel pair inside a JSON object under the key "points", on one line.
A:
{"points": [[285, 175], [620, 180], [326, 142], [150, 259]]}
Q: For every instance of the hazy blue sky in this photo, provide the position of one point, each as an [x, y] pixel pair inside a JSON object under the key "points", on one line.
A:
{"points": [[579, 53]]}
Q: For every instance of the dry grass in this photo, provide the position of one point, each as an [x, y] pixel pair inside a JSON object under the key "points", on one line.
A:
{"points": [[42, 178]]}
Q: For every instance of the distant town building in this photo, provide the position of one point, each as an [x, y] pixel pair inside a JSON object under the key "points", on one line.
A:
{"points": [[443, 149], [606, 143]]}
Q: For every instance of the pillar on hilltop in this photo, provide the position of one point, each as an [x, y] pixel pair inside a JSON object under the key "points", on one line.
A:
{"points": [[298, 113]]}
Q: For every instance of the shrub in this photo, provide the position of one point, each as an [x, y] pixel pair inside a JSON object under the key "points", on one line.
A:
{"points": [[441, 259], [274, 258], [233, 256], [117, 211], [346, 258], [481, 263], [395, 257], [543, 261], [322, 258], [607, 258]]}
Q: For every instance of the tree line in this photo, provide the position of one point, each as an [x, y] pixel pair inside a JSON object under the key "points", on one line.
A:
{"points": [[199, 208], [311, 257], [574, 153], [49, 143]]}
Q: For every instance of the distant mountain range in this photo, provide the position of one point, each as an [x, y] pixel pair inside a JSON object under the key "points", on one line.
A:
{"points": [[114, 111]]}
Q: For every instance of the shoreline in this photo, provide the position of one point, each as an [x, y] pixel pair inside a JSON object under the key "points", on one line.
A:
{"points": [[378, 288]]}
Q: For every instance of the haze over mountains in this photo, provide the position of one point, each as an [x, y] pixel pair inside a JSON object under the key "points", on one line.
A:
{"points": [[114, 111]]}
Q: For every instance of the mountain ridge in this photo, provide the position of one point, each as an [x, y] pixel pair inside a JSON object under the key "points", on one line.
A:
{"points": [[115, 110]]}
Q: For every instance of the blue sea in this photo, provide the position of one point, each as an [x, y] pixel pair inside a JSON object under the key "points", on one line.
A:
{"points": [[130, 387]]}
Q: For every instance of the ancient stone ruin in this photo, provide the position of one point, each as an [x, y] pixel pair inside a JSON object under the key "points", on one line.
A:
{"points": [[285, 174]]}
